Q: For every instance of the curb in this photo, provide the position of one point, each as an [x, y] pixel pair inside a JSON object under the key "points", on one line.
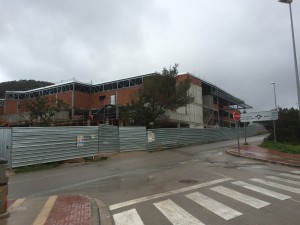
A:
{"points": [[95, 212], [264, 160], [103, 213], [4, 215]]}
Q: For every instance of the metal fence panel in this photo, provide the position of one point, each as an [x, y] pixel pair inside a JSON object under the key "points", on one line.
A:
{"points": [[108, 138], [5, 144], [35, 145], [172, 138], [132, 138], [164, 138]]}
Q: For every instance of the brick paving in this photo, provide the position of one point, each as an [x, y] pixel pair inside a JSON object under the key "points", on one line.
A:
{"points": [[66, 210], [10, 202], [70, 210], [259, 153]]}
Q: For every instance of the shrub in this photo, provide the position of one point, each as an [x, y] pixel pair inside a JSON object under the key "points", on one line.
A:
{"points": [[287, 126]]}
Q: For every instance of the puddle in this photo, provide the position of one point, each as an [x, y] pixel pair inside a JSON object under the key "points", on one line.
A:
{"points": [[237, 164]]}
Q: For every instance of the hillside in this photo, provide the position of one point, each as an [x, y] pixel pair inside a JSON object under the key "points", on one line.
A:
{"points": [[21, 85]]}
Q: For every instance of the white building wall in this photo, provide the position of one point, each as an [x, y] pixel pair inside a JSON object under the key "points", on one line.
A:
{"points": [[191, 114]]}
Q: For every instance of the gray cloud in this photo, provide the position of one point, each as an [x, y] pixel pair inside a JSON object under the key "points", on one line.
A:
{"points": [[238, 45]]}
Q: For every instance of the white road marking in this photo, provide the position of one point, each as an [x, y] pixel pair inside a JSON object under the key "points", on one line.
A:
{"points": [[296, 171], [128, 217], [16, 204], [284, 180], [276, 185], [160, 195], [254, 202], [290, 175], [262, 190], [216, 207], [175, 214], [42, 217]]}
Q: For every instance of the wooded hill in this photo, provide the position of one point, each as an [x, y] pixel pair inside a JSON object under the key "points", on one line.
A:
{"points": [[21, 85]]}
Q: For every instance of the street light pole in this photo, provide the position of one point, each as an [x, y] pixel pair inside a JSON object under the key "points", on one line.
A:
{"points": [[275, 109], [274, 95], [294, 48]]}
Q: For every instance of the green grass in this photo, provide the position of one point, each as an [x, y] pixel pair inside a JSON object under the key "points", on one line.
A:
{"points": [[281, 147]]}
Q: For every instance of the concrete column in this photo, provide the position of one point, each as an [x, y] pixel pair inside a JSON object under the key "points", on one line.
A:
{"points": [[73, 99]]}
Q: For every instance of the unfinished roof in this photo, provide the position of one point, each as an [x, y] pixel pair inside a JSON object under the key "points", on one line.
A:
{"points": [[223, 97], [77, 86], [207, 89]]}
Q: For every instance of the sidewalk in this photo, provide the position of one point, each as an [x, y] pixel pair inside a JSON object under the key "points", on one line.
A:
{"points": [[56, 210], [255, 152]]}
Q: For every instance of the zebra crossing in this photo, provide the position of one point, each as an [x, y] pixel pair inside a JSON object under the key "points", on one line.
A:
{"points": [[176, 214]]}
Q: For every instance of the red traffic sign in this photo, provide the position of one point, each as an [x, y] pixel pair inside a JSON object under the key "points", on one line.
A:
{"points": [[236, 116]]}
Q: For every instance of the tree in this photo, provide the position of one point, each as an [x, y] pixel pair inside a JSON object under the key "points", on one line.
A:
{"points": [[43, 108], [287, 126], [157, 94]]}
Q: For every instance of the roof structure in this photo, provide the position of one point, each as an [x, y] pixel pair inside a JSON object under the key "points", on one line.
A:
{"points": [[208, 89], [223, 97], [77, 86]]}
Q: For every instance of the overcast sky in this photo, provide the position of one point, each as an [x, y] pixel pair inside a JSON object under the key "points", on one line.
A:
{"points": [[237, 45]]}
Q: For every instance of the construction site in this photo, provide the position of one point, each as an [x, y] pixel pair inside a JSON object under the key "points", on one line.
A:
{"points": [[94, 104]]}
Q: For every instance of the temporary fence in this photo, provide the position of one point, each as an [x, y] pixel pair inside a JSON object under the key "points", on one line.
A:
{"points": [[23, 146], [170, 138], [133, 138], [108, 138], [36, 145], [5, 143]]}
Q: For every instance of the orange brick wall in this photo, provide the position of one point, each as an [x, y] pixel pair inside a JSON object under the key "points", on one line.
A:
{"points": [[66, 97], [91, 101], [81, 100], [14, 106], [127, 94], [11, 106], [124, 96], [193, 79]]}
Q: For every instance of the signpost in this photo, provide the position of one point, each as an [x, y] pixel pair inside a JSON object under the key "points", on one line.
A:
{"points": [[236, 117], [259, 116]]}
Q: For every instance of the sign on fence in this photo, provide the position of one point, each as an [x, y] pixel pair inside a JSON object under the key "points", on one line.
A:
{"points": [[151, 136], [80, 140]]}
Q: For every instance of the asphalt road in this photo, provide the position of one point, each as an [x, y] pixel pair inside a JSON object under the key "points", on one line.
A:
{"points": [[193, 185]]}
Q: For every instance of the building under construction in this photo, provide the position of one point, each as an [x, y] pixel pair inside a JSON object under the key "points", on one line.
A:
{"points": [[92, 104]]}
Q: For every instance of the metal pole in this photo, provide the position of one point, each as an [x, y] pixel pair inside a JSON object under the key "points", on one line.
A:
{"points": [[274, 131], [295, 58], [238, 135], [275, 96], [245, 132], [218, 112], [229, 115], [73, 100], [274, 126]]}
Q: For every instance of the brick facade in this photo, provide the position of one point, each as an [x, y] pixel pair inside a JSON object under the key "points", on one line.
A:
{"points": [[85, 98]]}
